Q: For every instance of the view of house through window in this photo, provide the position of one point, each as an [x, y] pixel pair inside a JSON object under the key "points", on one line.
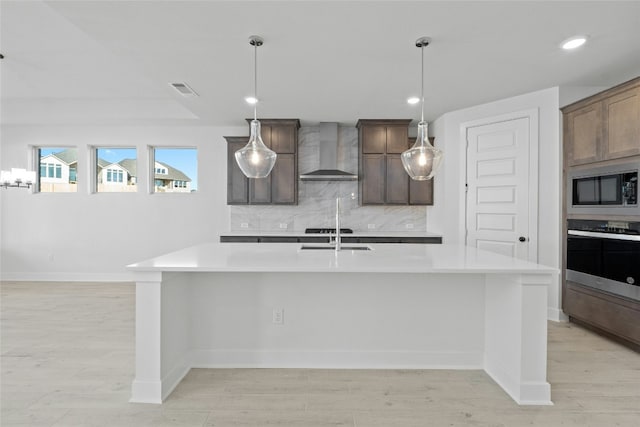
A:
{"points": [[58, 170], [175, 170], [116, 170]]}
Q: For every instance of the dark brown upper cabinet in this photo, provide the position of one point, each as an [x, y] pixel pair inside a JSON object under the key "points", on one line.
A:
{"points": [[281, 186], [383, 180]]}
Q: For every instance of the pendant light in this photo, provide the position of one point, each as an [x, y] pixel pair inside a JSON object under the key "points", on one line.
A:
{"points": [[422, 160], [255, 159]]}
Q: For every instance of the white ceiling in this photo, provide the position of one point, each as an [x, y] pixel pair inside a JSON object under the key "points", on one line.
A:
{"points": [[111, 61]]}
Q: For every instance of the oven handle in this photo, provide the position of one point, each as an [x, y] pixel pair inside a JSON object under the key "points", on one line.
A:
{"points": [[632, 237]]}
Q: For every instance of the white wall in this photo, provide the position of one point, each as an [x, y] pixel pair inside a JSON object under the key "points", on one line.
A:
{"points": [[56, 236], [448, 213]]}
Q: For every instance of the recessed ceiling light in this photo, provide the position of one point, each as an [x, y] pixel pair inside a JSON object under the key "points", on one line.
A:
{"points": [[574, 42], [251, 100], [413, 100]]}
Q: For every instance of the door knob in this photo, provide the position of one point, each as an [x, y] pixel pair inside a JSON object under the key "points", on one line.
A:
{"points": [[522, 239]]}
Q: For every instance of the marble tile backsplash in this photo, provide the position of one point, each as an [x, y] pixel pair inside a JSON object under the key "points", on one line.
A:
{"points": [[316, 199]]}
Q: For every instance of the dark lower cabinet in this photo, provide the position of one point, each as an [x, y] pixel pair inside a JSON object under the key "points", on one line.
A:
{"points": [[307, 238], [281, 186]]}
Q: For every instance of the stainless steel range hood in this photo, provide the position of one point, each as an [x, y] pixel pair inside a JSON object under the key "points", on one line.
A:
{"points": [[328, 170]]}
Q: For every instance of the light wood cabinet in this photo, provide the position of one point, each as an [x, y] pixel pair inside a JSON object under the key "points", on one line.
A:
{"points": [[605, 126], [622, 124], [383, 180], [584, 134], [602, 129], [281, 186]]}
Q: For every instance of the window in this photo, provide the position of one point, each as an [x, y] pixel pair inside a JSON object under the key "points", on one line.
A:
{"points": [[175, 169], [116, 170], [58, 169]]}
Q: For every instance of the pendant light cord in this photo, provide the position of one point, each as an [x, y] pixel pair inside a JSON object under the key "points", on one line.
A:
{"points": [[255, 80], [422, 84]]}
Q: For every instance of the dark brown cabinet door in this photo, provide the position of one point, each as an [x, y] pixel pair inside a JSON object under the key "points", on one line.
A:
{"points": [[383, 179], [283, 139], [374, 139], [421, 192], [373, 179], [283, 190], [397, 181], [397, 139], [260, 190], [237, 183], [265, 134], [281, 186]]}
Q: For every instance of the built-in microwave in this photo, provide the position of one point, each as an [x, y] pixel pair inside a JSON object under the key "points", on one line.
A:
{"points": [[608, 190]]}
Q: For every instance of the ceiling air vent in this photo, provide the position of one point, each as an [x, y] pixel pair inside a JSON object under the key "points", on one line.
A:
{"points": [[183, 89]]}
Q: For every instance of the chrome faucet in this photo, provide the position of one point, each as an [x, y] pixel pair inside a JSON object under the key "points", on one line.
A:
{"points": [[338, 238]]}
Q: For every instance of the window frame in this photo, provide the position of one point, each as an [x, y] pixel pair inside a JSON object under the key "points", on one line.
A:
{"points": [[93, 155], [35, 165], [151, 169]]}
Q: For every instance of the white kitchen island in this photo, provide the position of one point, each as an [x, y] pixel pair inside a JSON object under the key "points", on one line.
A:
{"points": [[394, 307]]}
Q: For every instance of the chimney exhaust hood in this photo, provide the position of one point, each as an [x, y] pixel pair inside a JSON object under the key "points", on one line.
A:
{"points": [[328, 170]]}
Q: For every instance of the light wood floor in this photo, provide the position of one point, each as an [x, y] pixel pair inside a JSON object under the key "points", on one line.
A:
{"points": [[68, 358]]}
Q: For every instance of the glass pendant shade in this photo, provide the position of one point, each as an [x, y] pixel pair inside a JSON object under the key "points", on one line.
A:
{"points": [[422, 160], [255, 159]]}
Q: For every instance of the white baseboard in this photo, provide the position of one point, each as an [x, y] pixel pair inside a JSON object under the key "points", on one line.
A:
{"points": [[173, 378], [556, 315], [522, 392], [335, 359], [66, 277]]}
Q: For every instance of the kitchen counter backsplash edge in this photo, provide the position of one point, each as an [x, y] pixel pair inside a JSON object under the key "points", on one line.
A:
{"points": [[387, 237]]}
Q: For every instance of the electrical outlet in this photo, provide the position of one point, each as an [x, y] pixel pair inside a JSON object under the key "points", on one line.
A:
{"points": [[371, 226], [278, 316], [283, 225], [244, 225]]}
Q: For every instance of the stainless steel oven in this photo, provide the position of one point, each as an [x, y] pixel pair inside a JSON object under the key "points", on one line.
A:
{"points": [[609, 190], [605, 255]]}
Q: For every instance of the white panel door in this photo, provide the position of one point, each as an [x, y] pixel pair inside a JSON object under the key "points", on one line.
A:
{"points": [[498, 187]]}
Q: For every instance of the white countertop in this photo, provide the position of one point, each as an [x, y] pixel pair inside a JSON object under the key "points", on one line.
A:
{"points": [[384, 258]]}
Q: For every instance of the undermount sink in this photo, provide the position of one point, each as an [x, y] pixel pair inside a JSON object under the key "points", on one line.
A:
{"points": [[333, 248]]}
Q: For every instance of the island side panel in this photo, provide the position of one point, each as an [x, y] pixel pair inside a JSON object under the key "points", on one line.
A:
{"points": [[162, 334], [147, 384], [338, 320], [516, 335], [175, 345]]}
